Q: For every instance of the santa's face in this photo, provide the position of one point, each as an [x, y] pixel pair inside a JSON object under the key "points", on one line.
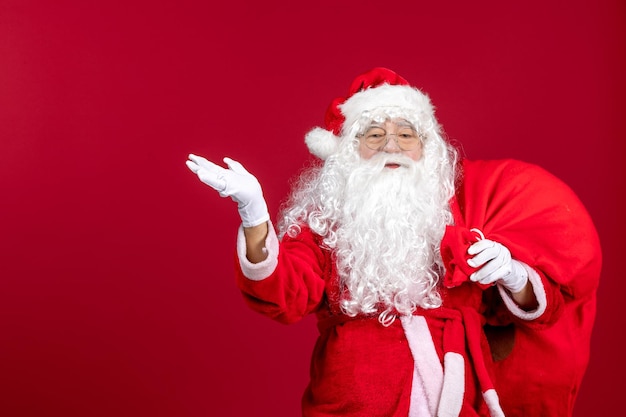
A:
{"points": [[393, 137]]}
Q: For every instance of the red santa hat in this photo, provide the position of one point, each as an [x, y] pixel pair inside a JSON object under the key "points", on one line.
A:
{"points": [[377, 92]]}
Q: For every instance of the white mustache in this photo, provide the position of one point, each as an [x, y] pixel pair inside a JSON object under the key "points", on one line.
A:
{"points": [[379, 161]]}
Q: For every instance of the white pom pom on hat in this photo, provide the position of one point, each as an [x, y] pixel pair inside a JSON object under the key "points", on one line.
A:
{"points": [[321, 142], [377, 88]]}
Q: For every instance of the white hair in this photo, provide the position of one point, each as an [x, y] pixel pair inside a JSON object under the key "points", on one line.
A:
{"points": [[384, 226]]}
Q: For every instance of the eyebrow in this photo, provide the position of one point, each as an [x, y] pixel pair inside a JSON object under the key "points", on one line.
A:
{"points": [[405, 123], [402, 123]]}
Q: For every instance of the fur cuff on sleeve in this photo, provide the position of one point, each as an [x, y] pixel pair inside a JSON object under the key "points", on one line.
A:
{"points": [[263, 269], [538, 290]]}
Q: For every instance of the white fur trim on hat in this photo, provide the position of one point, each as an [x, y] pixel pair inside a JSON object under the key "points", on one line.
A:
{"points": [[321, 143], [406, 99], [391, 100]]}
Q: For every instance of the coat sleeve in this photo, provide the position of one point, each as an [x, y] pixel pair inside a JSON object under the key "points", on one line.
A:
{"points": [[290, 283]]}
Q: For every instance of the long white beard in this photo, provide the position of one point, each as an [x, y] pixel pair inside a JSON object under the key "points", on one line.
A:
{"points": [[388, 236], [385, 226]]}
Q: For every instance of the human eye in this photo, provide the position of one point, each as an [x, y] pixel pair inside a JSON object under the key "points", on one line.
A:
{"points": [[407, 134], [375, 133]]}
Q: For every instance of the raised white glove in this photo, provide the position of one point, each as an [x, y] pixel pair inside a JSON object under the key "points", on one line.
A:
{"points": [[496, 266], [235, 182]]}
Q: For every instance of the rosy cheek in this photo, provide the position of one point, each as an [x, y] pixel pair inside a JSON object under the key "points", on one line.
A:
{"points": [[365, 152], [416, 155]]}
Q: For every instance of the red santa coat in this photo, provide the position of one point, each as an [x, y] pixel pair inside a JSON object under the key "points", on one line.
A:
{"points": [[361, 368]]}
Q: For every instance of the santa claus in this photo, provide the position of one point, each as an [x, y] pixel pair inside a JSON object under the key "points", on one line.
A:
{"points": [[421, 268]]}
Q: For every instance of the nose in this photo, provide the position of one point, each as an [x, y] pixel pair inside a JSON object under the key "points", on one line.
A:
{"points": [[391, 144]]}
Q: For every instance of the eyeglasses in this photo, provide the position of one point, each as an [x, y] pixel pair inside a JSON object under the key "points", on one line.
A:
{"points": [[376, 138]]}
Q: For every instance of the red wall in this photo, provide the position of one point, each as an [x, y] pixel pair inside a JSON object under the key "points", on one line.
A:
{"points": [[116, 288]]}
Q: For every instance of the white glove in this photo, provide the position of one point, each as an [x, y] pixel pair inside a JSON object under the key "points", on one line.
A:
{"points": [[496, 266], [235, 182]]}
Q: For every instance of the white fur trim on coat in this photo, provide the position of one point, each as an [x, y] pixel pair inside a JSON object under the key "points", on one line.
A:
{"points": [[493, 403], [426, 360], [453, 385], [419, 406], [540, 294], [263, 269]]}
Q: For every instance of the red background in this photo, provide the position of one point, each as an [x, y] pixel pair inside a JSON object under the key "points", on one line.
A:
{"points": [[116, 288]]}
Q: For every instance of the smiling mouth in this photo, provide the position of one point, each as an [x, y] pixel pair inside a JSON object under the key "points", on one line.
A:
{"points": [[392, 165]]}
